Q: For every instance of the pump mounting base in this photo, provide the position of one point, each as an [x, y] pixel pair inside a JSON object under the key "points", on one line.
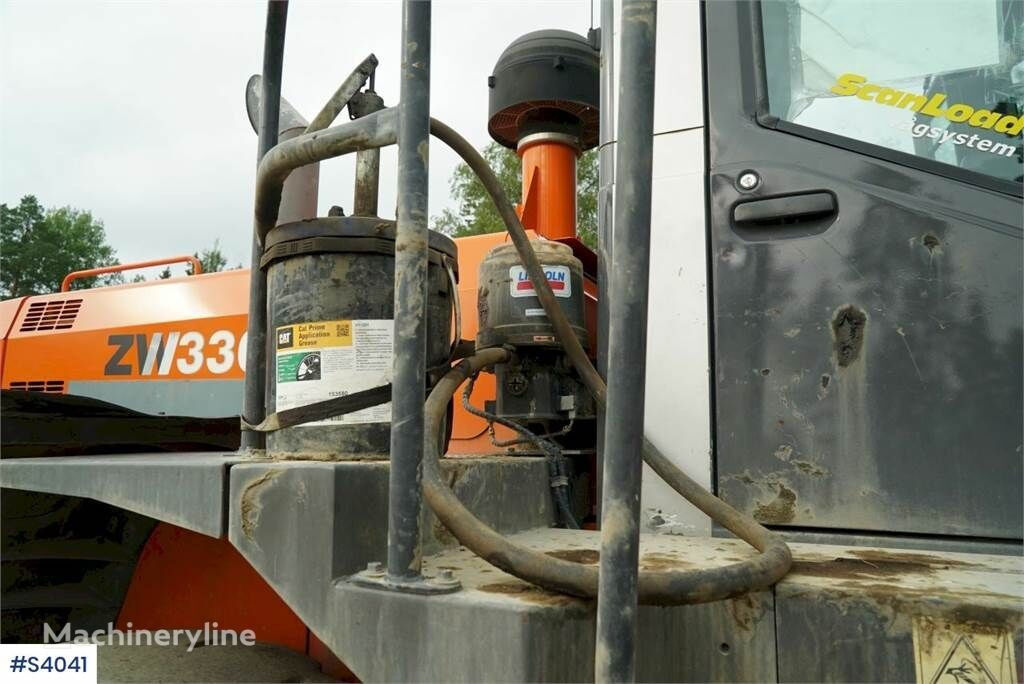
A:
{"points": [[420, 585]]}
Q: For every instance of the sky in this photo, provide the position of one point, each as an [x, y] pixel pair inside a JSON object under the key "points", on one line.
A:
{"points": [[135, 111]]}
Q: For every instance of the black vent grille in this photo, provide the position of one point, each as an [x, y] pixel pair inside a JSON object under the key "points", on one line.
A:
{"points": [[57, 314], [48, 386]]}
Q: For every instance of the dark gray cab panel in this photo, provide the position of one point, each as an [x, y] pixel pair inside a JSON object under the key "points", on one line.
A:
{"points": [[867, 358]]}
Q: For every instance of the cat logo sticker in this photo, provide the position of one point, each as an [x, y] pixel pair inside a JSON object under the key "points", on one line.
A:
{"points": [[285, 338]]}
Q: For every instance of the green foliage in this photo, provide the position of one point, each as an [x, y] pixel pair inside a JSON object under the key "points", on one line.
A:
{"points": [[38, 247], [587, 184], [212, 259], [476, 213]]}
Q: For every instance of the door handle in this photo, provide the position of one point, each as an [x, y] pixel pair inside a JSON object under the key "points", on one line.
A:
{"points": [[786, 210]]}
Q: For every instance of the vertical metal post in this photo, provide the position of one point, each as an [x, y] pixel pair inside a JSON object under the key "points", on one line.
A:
{"points": [[254, 400], [615, 654], [410, 343], [606, 188], [367, 182]]}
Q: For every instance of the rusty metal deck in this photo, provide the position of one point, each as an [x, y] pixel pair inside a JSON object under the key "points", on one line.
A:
{"points": [[842, 614]]}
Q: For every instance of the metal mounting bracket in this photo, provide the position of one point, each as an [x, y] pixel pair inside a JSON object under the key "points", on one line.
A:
{"points": [[376, 577]]}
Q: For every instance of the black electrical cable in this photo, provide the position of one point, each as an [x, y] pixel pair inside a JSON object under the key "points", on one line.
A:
{"points": [[550, 449], [665, 588], [559, 481]]}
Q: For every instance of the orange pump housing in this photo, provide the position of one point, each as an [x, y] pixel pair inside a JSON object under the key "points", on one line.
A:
{"points": [[549, 186]]}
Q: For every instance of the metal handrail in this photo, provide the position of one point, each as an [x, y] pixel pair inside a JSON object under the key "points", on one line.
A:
{"points": [[408, 124], [405, 494], [197, 268], [619, 585], [254, 398], [371, 131], [615, 644]]}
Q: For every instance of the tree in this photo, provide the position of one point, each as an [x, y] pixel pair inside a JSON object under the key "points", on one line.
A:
{"points": [[212, 259], [476, 213], [38, 247]]}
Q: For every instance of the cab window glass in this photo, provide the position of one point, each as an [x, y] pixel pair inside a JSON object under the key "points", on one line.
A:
{"points": [[940, 80]]}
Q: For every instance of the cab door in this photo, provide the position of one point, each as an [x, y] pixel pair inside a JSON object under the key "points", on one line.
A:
{"points": [[865, 249]]}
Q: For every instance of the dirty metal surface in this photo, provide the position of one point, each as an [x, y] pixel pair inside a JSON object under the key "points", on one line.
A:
{"points": [[185, 489], [305, 525], [727, 641], [502, 629], [843, 614], [867, 373], [923, 543], [872, 615]]}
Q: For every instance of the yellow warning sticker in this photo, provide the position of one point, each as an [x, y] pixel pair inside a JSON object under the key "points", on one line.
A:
{"points": [[318, 334], [947, 653], [321, 360]]}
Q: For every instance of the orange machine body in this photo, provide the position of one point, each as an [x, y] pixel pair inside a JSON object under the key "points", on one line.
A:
{"points": [[185, 580], [177, 347], [172, 347], [549, 187]]}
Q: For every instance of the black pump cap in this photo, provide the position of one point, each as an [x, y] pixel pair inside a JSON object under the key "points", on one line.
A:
{"points": [[545, 81]]}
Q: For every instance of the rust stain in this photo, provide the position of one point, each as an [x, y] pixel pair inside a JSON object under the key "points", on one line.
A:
{"points": [[961, 607], [250, 503], [877, 555], [746, 612], [857, 568], [809, 468], [529, 593], [584, 556], [745, 477], [784, 452], [869, 563], [889, 593], [662, 561], [781, 509], [848, 326]]}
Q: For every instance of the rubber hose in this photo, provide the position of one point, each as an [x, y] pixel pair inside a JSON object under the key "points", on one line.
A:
{"points": [[663, 588], [660, 588], [573, 348]]}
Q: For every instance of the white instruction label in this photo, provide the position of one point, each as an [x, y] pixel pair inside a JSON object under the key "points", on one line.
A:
{"points": [[558, 278], [322, 360]]}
